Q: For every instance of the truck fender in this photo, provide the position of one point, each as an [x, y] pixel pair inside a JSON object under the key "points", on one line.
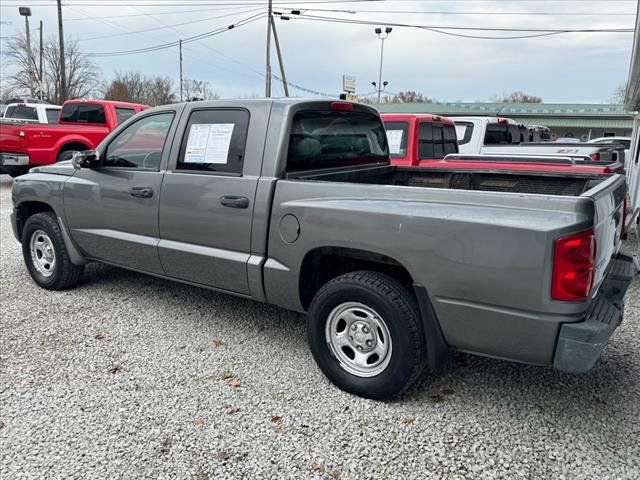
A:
{"points": [[69, 139], [74, 254]]}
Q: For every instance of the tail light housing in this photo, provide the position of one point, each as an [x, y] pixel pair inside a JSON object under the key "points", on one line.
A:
{"points": [[342, 106], [595, 156], [574, 259]]}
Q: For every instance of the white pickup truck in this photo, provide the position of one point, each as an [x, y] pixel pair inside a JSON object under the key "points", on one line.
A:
{"points": [[495, 135], [31, 113]]}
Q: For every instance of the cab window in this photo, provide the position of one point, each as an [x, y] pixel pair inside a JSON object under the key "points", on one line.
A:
{"points": [[140, 145], [397, 138], [435, 140]]}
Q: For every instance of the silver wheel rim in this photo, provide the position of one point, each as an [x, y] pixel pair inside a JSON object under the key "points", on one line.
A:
{"points": [[359, 339], [43, 254]]}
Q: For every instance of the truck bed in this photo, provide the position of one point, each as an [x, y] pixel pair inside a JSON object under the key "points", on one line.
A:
{"points": [[546, 183]]}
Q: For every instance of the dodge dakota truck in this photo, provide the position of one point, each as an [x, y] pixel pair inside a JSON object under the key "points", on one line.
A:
{"points": [[295, 203], [82, 126]]}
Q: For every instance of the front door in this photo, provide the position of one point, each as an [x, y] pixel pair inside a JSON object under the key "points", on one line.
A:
{"points": [[112, 211], [208, 200]]}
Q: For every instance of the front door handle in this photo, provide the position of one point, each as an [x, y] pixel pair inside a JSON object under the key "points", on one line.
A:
{"points": [[141, 192], [234, 201]]}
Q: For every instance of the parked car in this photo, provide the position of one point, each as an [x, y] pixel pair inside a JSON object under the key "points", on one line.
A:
{"points": [[3, 107], [82, 126], [31, 113], [295, 203], [418, 138], [498, 136], [539, 133], [423, 139]]}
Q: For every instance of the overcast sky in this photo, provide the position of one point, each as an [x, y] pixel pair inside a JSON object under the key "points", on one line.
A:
{"points": [[573, 67]]}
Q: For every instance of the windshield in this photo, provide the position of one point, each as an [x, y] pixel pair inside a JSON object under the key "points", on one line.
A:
{"points": [[327, 139], [397, 138]]}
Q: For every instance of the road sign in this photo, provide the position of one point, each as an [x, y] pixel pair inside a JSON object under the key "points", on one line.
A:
{"points": [[349, 83]]}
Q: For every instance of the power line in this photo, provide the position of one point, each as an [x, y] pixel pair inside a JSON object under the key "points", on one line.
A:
{"points": [[483, 13], [168, 26], [173, 12]]}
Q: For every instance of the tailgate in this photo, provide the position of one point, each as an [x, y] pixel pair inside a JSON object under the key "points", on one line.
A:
{"points": [[10, 139], [608, 198]]}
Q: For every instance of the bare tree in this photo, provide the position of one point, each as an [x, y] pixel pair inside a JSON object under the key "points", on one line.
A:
{"points": [[200, 89], [619, 93], [409, 96], [138, 88], [517, 97], [82, 73]]}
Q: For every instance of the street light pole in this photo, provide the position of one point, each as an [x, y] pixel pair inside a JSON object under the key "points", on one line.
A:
{"points": [[26, 13], [267, 73], [382, 37]]}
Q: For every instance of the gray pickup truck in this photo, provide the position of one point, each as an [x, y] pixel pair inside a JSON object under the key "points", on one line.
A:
{"points": [[295, 203]]}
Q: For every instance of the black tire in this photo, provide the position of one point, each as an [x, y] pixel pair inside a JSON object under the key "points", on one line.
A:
{"points": [[399, 311], [64, 274], [16, 171], [65, 155]]}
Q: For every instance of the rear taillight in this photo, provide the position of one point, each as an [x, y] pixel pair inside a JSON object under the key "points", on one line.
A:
{"points": [[574, 259], [595, 156], [342, 106]]}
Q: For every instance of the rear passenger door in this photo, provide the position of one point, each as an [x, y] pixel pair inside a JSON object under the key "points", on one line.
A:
{"points": [[207, 200]]}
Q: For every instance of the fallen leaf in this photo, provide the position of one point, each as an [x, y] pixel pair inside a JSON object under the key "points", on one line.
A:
{"points": [[276, 419], [100, 336], [115, 369], [226, 375], [311, 450], [230, 410], [408, 420], [234, 383], [317, 467], [136, 403], [218, 343], [199, 421], [280, 430], [2, 424], [335, 475], [223, 456]]}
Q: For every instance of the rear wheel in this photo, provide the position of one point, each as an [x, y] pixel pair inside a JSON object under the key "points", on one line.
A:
{"points": [[65, 155], [364, 333], [45, 253]]}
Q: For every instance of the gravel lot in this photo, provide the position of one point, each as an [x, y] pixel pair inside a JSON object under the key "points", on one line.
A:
{"points": [[129, 376]]}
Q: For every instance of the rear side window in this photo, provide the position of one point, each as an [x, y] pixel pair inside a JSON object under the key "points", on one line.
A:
{"points": [[22, 111], [330, 139], [397, 138], [435, 140], [52, 115], [214, 141], [464, 130], [91, 113], [501, 134], [69, 112], [124, 114]]}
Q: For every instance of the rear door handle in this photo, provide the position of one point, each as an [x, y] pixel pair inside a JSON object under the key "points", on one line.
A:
{"points": [[141, 192], [234, 201]]}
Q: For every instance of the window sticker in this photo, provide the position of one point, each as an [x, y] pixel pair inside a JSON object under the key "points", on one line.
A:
{"points": [[394, 137], [209, 143]]}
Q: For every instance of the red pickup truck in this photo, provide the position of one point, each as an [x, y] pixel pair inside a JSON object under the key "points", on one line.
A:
{"points": [[82, 126], [425, 140]]}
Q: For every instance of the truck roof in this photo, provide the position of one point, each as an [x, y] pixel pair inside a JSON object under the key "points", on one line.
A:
{"points": [[487, 119], [427, 117], [104, 102]]}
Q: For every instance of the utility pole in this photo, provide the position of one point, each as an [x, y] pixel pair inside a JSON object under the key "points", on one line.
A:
{"points": [[63, 74], [181, 80], [26, 13], [267, 84], [285, 86], [41, 74]]}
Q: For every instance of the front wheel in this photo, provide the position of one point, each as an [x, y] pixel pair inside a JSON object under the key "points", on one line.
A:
{"points": [[364, 332], [45, 253]]}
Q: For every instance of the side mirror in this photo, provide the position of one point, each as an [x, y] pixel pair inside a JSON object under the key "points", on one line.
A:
{"points": [[86, 159]]}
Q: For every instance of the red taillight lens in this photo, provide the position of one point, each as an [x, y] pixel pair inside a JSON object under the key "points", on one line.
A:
{"points": [[595, 156], [344, 106], [574, 259]]}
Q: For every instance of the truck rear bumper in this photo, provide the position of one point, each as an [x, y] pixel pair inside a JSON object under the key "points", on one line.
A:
{"points": [[8, 159], [581, 344]]}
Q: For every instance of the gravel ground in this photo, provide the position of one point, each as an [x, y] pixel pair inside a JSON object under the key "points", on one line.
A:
{"points": [[129, 376]]}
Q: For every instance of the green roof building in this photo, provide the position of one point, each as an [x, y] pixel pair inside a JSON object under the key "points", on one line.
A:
{"points": [[578, 120]]}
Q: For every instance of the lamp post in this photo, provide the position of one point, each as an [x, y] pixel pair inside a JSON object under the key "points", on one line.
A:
{"points": [[26, 13], [382, 36]]}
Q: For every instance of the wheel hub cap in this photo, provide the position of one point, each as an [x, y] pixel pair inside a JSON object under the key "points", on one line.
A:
{"points": [[359, 339], [42, 253]]}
